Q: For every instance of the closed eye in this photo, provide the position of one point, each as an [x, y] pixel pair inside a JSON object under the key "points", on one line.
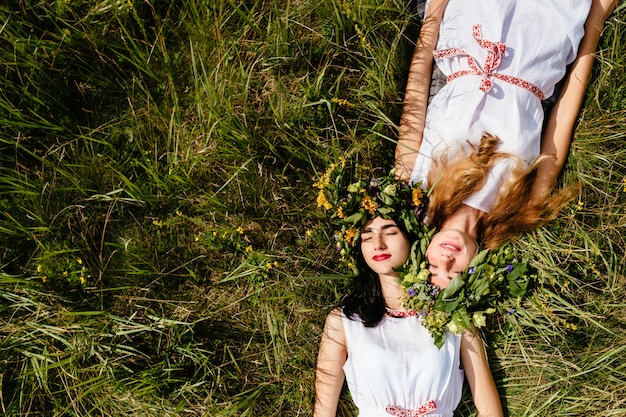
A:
{"points": [[433, 272]]}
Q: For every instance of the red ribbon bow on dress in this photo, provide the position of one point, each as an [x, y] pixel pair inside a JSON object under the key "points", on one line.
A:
{"points": [[423, 409], [495, 50]]}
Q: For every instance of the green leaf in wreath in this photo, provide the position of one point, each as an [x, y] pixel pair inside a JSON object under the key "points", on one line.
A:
{"points": [[461, 318], [518, 287], [478, 258], [453, 287], [448, 305], [355, 218], [439, 340], [385, 211]]}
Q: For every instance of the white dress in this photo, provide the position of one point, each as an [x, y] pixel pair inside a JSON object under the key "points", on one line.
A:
{"points": [[541, 37], [396, 364]]}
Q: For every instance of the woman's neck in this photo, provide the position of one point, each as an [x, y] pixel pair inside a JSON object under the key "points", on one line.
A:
{"points": [[466, 218], [393, 294]]}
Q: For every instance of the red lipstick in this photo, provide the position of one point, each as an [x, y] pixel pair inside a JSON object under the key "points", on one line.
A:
{"points": [[381, 257]]}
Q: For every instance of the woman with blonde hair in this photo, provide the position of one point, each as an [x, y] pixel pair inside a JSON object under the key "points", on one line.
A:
{"points": [[478, 142]]}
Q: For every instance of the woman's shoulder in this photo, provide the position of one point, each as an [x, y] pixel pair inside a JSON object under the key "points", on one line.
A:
{"points": [[334, 319], [335, 315], [333, 327]]}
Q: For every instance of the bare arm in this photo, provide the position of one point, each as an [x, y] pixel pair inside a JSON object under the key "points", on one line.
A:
{"points": [[479, 376], [331, 358], [416, 96], [560, 126]]}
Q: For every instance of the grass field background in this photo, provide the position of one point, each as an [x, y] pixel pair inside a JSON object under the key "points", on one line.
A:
{"points": [[161, 252]]}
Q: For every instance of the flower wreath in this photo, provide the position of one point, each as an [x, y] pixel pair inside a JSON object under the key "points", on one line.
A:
{"points": [[492, 280], [351, 202]]}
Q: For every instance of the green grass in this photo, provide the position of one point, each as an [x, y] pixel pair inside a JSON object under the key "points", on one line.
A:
{"points": [[160, 249]]}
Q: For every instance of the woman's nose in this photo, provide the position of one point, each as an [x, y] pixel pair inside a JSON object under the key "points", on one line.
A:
{"points": [[447, 260], [379, 242]]}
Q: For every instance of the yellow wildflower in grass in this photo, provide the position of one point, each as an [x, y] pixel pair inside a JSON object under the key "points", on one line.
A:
{"points": [[276, 264], [240, 230], [368, 204], [322, 201], [82, 280], [625, 185], [342, 102], [65, 273], [248, 248], [325, 179], [417, 195], [308, 233], [350, 234], [39, 268], [80, 261], [179, 213], [580, 205], [364, 42], [44, 279], [157, 223], [347, 9], [197, 238], [269, 265], [340, 212]]}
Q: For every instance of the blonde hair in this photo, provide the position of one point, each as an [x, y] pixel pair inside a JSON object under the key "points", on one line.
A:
{"points": [[513, 212]]}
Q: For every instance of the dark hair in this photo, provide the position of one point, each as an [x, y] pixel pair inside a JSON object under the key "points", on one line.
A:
{"points": [[366, 298]]}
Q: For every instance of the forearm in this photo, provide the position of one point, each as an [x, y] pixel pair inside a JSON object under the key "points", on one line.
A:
{"points": [[416, 95], [560, 127], [329, 375], [479, 377], [327, 392], [487, 399]]}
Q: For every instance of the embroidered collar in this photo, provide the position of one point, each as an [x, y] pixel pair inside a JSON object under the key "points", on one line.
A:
{"points": [[400, 313]]}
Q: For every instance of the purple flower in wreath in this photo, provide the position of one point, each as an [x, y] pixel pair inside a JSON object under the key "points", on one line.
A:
{"points": [[471, 270], [374, 188], [509, 268], [419, 212], [411, 292]]}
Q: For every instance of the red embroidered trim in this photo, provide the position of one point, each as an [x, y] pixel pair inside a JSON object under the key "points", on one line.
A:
{"points": [[400, 313], [423, 409], [495, 50]]}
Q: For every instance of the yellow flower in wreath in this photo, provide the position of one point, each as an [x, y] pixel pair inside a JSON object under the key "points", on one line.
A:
{"points": [[417, 195], [369, 205]]}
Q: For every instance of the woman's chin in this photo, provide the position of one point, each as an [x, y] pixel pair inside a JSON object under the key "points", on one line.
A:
{"points": [[440, 282]]}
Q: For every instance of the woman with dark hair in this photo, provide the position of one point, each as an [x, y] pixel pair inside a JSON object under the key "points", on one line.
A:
{"points": [[478, 142], [367, 299]]}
